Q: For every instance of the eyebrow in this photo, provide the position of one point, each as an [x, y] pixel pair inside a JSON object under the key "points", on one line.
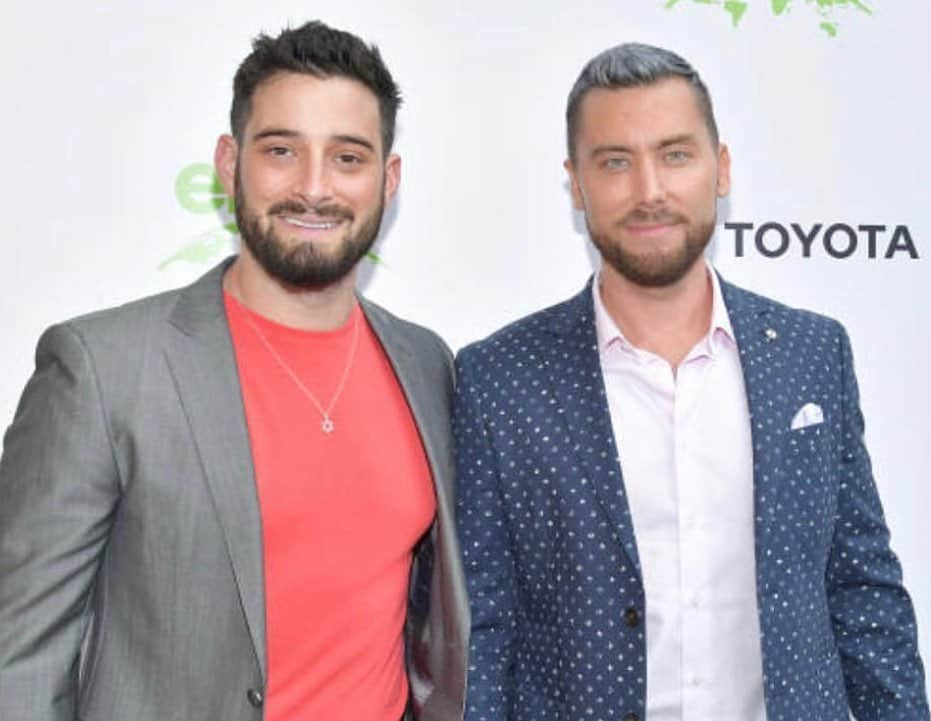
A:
{"points": [[676, 140], [275, 133], [602, 149], [664, 143], [287, 133]]}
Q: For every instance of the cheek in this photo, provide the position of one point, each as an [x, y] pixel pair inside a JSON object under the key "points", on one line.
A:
{"points": [[362, 190], [700, 193], [266, 180], [607, 199], [262, 187]]}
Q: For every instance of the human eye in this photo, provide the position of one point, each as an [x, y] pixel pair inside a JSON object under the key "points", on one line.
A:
{"points": [[348, 158], [678, 156], [615, 163], [279, 151]]}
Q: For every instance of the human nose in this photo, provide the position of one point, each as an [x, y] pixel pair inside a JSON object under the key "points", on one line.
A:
{"points": [[312, 181], [651, 186]]}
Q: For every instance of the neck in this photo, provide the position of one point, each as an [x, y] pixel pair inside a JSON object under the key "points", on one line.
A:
{"points": [[318, 309], [667, 321]]}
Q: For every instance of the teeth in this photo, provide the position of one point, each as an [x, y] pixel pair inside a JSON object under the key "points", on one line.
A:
{"points": [[314, 225]]}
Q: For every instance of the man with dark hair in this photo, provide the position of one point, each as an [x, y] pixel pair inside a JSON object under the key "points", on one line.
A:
{"points": [[665, 505], [233, 501]]}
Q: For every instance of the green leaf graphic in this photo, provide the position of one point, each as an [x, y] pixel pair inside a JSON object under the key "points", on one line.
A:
{"points": [[198, 189], [204, 247], [824, 9], [736, 9], [831, 4]]}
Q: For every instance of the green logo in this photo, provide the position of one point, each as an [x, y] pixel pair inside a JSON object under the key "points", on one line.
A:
{"points": [[825, 10], [198, 190]]}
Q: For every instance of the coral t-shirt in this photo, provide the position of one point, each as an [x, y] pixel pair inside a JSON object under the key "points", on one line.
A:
{"points": [[341, 513]]}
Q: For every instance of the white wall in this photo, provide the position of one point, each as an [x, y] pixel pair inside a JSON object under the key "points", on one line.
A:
{"points": [[104, 106]]}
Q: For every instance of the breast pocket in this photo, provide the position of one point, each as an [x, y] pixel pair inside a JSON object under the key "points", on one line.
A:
{"points": [[806, 452], [809, 479]]}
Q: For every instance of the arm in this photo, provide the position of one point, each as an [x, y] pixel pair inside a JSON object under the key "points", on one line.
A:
{"points": [[487, 554], [872, 615], [58, 491]]}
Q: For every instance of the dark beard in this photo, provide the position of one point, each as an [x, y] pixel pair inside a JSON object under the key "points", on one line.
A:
{"points": [[304, 266], [659, 270]]}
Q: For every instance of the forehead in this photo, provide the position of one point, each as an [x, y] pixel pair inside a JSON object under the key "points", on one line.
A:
{"points": [[641, 114], [314, 107]]}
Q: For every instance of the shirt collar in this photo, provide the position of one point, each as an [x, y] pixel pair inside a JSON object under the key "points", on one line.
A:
{"points": [[720, 330]]}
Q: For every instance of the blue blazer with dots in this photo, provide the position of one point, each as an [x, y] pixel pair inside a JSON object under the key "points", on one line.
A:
{"points": [[554, 580]]}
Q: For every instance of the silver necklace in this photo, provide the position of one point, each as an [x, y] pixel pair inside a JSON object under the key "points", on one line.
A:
{"points": [[326, 425]]}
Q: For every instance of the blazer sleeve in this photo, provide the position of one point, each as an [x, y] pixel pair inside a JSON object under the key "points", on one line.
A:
{"points": [[487, 554], [58, 492], [872, 615]]}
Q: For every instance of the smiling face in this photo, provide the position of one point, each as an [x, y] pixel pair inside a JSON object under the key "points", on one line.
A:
{"points": [[647, 175], [310, 177]]}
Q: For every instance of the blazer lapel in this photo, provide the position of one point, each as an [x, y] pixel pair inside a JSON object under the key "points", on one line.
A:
{"points": [[202, 363], [574, 368], [767, 357], [430, 413], [427, 386]]}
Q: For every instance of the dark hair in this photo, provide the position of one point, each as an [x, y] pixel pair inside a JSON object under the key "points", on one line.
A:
{"points": [[632, 65], [319, 50]]}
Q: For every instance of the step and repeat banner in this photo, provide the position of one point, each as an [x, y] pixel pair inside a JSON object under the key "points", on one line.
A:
{"points": [[111, 112]]}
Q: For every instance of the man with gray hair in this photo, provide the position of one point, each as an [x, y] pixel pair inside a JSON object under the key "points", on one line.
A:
{"points": [[665, 504]]}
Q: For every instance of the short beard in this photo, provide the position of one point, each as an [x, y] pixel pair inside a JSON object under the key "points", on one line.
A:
{"points": [[654, 270], [304, 265]]}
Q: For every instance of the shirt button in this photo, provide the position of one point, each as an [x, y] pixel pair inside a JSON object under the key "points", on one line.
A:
{"points": [[255, 697], [694, 681], [632, 617], [694, 600], [631, 716]]}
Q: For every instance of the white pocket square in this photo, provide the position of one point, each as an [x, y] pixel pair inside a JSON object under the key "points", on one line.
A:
{"points": [[809, 414]]}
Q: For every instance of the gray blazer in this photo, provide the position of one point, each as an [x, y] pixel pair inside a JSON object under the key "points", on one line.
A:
{"points": [[131, 580]]}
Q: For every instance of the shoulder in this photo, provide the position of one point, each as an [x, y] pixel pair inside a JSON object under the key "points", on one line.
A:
{"points": [[523, 338], [392, 329], [803, 338], [125, 320], [133, 328], [199, 300], [741, 301]]}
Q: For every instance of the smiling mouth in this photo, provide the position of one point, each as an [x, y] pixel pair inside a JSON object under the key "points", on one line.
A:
{"points": [[319, 224]]}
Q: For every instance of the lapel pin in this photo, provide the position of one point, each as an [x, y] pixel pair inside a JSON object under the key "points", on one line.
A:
{"points": [[771, 334]]}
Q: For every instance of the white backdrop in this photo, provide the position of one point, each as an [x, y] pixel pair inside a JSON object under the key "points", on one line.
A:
{"points": [[824, 106]]}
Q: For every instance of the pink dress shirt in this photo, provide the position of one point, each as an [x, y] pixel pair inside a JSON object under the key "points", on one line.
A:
{"points": [[685, 452]]}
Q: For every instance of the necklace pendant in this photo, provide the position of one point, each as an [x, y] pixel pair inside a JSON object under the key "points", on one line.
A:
{"points": [[327, 425]]}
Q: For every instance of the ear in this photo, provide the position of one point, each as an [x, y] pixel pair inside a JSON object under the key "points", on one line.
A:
{"points": [[224, 160], [724, 171], [578, 199], [392, 176]]}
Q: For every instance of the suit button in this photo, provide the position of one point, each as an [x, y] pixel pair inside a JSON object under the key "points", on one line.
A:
{"points": [[256, 699], [632, 619], [631, 717]]}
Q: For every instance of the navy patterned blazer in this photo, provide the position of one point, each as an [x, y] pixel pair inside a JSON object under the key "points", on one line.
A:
{"points": [[551, 562]]}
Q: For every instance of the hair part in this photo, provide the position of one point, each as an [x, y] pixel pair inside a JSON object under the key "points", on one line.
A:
{"points": [[323, 52], [634, 65]]}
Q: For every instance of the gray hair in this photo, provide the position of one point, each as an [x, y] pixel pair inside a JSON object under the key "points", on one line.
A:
{"points": [[634, 65]]}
